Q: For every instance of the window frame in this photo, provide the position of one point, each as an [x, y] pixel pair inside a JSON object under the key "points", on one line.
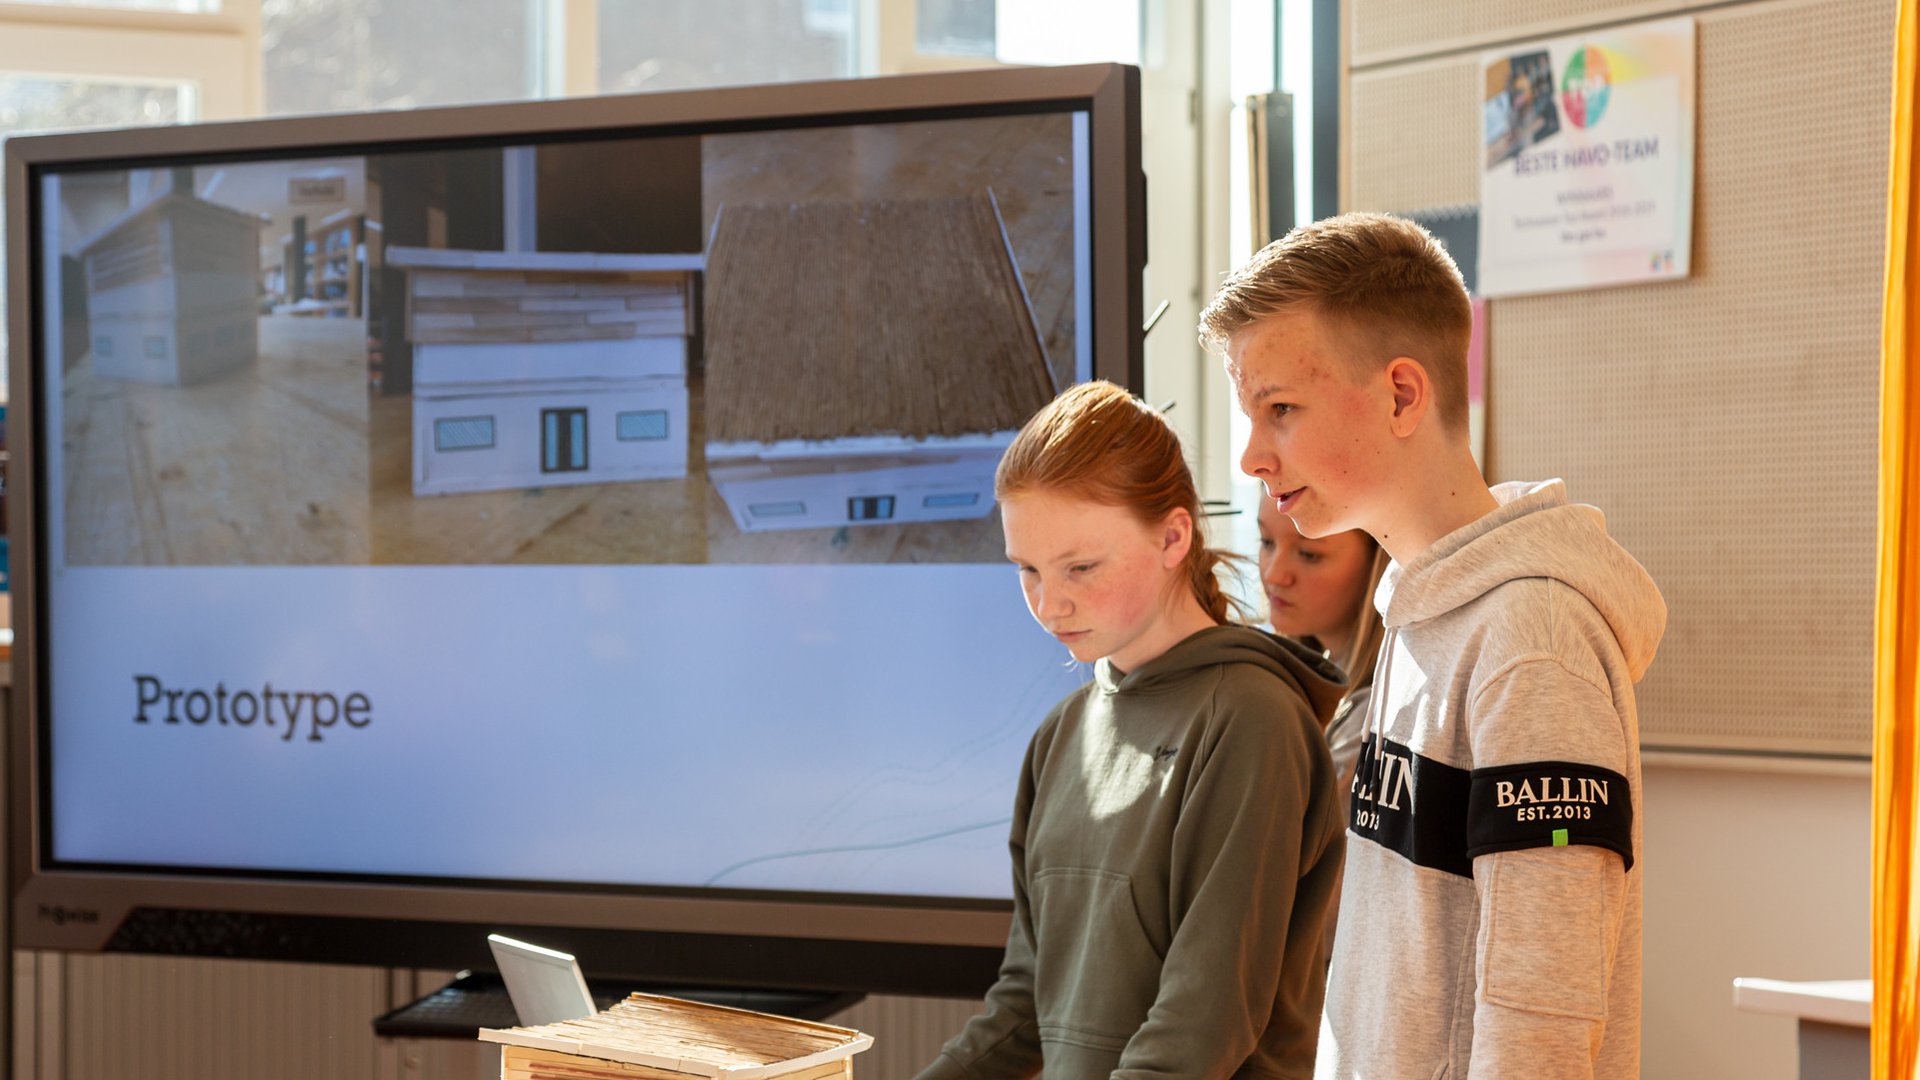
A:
{"points": [[493, 434], [565, 447], [217, 53], [666, 425]]}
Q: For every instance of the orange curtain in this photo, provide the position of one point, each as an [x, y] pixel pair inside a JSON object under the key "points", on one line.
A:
{"points": [[1896, 669]]}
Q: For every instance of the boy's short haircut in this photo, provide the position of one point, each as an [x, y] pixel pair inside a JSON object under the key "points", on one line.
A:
{"points": [[1384, 282]]}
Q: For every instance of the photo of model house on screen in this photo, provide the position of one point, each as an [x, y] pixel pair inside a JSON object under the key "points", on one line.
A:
{"points": [[537, 368], [856, 407], [171, 287], [670, 350], [795, 346], [536, 334], [208, 326]]}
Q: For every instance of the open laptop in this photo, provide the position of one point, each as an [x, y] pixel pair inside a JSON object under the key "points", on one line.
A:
{"points": [[546, 986]]}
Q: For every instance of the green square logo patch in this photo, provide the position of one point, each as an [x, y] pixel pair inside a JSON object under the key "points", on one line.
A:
{"points": [[1559, 838]]}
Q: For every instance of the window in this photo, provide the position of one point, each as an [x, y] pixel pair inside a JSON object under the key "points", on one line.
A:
{"points": [[66, 66], [1030, 31], [31, 103], [648, 45], [183, 6], [649, 424], [777, 509], [109, 63], [954, 27], [463, 433], [563, 440], [870, 508], [333, 55], [953, 499]]}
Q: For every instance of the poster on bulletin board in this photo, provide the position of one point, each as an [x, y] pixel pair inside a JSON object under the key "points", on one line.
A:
{"points": [[1587, 177]]}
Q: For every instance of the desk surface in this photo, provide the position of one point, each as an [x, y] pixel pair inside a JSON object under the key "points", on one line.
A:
{"points": [[1846, 1001]]}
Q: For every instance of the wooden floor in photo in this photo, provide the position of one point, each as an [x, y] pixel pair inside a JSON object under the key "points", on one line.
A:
{"points": [[264, 465]]}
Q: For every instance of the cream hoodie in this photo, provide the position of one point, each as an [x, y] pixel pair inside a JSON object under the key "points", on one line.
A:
{"points": [[1490, 917]]}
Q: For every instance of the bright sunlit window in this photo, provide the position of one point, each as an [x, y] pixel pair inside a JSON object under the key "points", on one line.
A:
{"points": [[177, 6], [656, 46], [337, 55], [1068, 32], [1031, 31]]}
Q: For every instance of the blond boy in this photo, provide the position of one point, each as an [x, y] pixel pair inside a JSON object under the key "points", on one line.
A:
{"points": [[1490, 920]]}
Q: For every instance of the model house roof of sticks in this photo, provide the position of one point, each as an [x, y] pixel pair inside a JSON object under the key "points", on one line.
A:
{"points": [[833, 320], [459, 297], [130, 244], [647, 1036]]}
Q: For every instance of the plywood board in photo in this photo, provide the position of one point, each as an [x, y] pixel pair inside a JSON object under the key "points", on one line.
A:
{"points": [[266, 465]]}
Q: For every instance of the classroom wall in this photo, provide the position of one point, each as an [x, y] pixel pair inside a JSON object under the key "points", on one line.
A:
{"points": [[1726, 424], [1746, 874]]}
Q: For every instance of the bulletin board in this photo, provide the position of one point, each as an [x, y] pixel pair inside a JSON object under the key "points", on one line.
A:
{"points": [[1727, 423]]}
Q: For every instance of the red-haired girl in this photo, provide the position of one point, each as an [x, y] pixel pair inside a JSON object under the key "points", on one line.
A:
{"points": [[1176, 840]]}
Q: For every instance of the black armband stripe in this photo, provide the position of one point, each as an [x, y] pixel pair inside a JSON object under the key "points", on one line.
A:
{"points": [[1442, 817], [1549, 804]]}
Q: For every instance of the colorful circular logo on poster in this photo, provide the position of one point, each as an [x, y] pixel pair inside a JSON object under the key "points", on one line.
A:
{"points": [[1584, 87]]}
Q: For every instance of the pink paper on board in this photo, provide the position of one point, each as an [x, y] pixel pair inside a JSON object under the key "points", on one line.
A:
{"points": [[1477, 355]]}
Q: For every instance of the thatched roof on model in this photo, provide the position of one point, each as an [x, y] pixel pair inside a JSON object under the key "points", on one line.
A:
{"points": [[833, 320]]}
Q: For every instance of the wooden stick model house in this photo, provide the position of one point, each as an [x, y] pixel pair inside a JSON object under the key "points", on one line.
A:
{"points": [[866, 362], [172, 291], [647, 1037], [539, 368]]}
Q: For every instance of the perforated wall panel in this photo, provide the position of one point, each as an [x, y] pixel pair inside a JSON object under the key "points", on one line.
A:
{"points": [[1413, 135], [1384, 31], [1727, 423]]}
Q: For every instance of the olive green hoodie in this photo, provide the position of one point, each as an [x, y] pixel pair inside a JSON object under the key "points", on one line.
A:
{"points": [[1176, 844]]}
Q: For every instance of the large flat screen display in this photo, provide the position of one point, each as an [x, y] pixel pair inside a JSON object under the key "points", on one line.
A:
{"points": [[574, 516]]}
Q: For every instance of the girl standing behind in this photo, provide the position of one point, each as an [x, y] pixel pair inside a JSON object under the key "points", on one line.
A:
{"points": [[1176, 839], [1321, 591]]}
